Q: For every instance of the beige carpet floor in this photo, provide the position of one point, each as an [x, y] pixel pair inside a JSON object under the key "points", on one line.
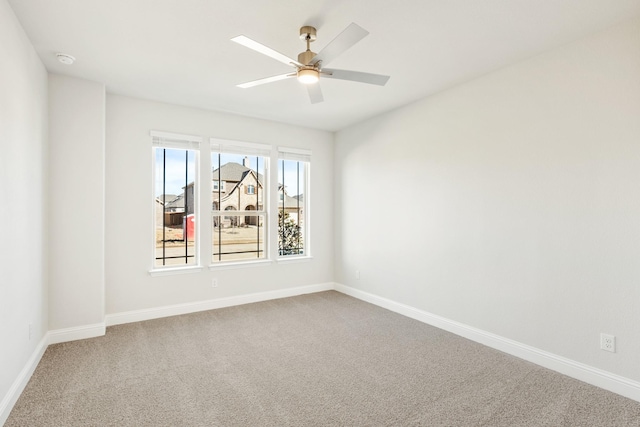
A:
{"points": [[323, 359]]}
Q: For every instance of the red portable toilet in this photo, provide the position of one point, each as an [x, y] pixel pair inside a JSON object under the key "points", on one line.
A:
{"points": [[191, 227]]}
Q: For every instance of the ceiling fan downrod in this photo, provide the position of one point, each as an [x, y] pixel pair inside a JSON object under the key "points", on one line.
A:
{"points": [[308, 34]]}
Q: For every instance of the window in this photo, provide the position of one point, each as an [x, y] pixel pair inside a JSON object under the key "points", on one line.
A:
{"points": [[175, 161], [241, 205], [218, 185], [239, 221], [293, 172]]}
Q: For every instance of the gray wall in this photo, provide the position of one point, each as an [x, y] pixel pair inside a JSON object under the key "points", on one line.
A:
{"points": [[509, 203], [76, 189], [129, 207], [23, 202]]}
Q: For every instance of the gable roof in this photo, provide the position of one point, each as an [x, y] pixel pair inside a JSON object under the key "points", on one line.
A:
{"points": [[177, 202], [290, 202], [165, 198], [233, 172]]}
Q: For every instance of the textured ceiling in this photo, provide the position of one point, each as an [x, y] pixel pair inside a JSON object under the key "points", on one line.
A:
{"points": [[179, 51]]}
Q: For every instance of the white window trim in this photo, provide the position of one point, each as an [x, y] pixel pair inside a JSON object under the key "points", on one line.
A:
{"points": [[293, 259], [235, 265]]}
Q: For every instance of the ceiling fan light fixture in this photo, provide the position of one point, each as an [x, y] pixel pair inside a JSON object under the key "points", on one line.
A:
{"points": [[308, 76]]}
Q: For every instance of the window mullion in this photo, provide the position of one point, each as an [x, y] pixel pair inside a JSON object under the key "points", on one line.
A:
{"points": [[186, 207], [164, 204]]}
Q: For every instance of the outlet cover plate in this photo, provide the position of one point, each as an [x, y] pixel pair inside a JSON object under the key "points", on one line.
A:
{"points": [[608, 342]]}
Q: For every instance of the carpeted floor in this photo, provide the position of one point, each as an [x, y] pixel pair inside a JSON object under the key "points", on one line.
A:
{"points": [[323, 359]]}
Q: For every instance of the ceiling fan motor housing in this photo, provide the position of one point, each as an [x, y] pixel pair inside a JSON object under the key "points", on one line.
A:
{"points": [[306, 57]]}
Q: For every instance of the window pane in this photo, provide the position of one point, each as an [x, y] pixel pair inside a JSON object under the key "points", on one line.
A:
{"points": [[291, 214], [174, 188], [238, 190], [233, 242]]}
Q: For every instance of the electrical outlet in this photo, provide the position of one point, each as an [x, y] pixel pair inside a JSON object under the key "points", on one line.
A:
{"points": [[214, 282], [608, 342], [358, 274]]}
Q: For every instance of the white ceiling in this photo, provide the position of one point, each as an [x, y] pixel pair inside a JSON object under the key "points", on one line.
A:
{"points": [[179, 51]]}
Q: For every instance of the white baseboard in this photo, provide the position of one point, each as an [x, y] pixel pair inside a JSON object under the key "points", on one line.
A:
{"points": [[77, 333], [21, 381], [597, 377], [193, 307]]}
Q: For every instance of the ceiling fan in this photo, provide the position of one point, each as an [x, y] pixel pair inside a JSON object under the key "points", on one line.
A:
{"points": [[310, 65]]}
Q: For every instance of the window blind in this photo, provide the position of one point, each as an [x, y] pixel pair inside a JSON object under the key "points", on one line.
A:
{"points": [[239, 147], [295, 154], [174, 140]]}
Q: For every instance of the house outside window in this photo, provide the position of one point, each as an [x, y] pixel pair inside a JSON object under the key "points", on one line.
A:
{"points": [[239, 220], [175, 165]]}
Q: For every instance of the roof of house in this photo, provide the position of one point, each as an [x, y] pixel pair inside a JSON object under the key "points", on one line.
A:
{"points": [[291, 202], [176, 202], [166, 198], [233, 172]]}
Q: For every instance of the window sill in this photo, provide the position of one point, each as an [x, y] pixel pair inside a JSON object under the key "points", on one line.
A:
{"points": [[293, 260], [175, 270], [238, 265]]}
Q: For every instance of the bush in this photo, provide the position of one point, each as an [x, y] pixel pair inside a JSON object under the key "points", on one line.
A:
{"points": [[289, 235]]}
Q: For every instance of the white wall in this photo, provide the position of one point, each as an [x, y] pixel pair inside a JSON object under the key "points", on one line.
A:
{"points": [[76, 202], [510, 203], [23, 170], [129, 206]]}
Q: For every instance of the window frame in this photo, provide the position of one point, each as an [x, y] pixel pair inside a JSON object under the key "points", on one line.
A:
{"points": [[167, 140], [233, 147], [267, 208], [302, 156]]}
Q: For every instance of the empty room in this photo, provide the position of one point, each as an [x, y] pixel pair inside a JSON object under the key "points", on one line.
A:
{"points": [[320, 213]]}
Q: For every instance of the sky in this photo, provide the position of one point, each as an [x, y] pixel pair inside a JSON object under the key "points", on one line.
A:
{"points": [[174, 170]]}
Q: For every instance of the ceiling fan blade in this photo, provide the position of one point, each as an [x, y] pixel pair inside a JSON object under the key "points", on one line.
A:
{"points": [[347, 38], [315, 93], [266, 80], [258, 47], [356, 76]]}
